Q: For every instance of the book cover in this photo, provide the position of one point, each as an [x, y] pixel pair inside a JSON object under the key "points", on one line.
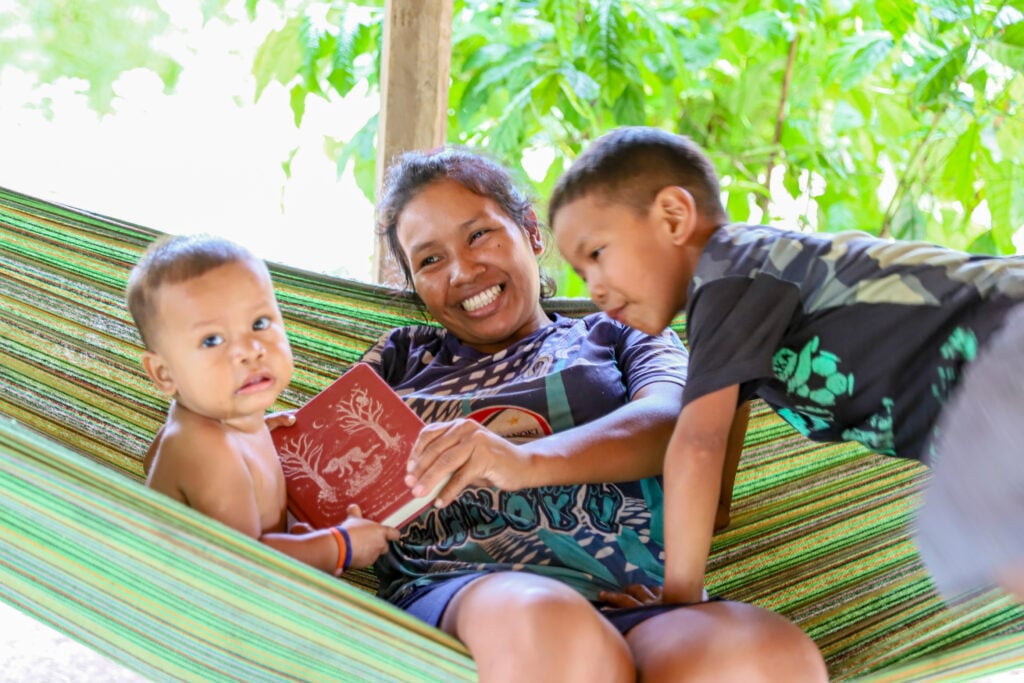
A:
{"points": [[349, 444]]}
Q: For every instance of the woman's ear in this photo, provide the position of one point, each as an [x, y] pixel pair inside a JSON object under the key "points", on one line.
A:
{"points": [[532, 228], [676, 212], [158, 371]]}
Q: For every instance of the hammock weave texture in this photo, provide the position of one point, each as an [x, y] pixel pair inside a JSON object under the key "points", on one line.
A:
{"points": [[818, 533]]}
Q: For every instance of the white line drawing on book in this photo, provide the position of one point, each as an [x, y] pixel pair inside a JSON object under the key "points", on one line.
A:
{"points": [[362, 412], [303, 458]]}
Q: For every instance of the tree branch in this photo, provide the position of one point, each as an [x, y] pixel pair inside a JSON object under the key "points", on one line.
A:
{"points": [[780, 118]]}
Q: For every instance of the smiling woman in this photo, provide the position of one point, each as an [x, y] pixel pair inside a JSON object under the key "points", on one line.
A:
{"points": [[552, 431], [472, 266]]}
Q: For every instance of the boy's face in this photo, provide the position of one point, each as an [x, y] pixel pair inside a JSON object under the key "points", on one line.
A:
{"points": [[634, 268], [474, 267], [219, 345]]}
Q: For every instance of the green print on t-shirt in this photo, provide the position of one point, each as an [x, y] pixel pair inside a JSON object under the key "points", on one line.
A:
{"points": [[812, 374], [877, 434], [960, 347]]}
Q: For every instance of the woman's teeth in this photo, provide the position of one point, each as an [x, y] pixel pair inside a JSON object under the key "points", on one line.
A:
{"points": [[482, 299]]}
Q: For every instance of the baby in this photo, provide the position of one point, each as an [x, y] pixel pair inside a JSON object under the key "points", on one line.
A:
{"points": [[215, 342]]}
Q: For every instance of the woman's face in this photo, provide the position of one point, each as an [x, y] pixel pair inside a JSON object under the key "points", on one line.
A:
{"points": [[474, 268]]}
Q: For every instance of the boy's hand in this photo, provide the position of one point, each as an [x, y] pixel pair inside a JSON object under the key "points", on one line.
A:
{"points": [[282, 418], [637, 595], [369, 539], [634, 595]]}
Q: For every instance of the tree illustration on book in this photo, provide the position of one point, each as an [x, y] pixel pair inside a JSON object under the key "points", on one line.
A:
{"points": [[350, 444]]}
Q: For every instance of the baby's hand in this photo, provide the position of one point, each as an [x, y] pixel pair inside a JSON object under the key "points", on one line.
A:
{"points": [[299, 528], [369, 539], [282, 418]]}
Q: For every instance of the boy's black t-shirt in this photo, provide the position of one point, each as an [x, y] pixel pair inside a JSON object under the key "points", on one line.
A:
{"points": [[847, 336]]}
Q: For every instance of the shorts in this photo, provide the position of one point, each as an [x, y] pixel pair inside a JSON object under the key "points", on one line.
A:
{"points": [[429, 602], [969, 524]]}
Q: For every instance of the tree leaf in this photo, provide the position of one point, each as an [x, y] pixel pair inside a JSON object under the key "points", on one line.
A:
{"points": [[297, 101], [949, 11], [279, 57], [957, 183], [765, 24], [857, 56], [1007, 47], [605, 42], [362, 149], [1004, 194], [909, 222], [941, 78], [583, 86], [629, 109], [897, 16]]}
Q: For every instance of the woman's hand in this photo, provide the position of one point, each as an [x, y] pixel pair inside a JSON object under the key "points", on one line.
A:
{"points": [[468, 452]]}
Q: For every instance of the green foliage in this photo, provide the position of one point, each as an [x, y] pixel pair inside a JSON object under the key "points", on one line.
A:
{"points": [[92, 40], [897, 117]]}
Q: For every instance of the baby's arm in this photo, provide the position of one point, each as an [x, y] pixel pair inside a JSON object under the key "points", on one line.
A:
{"points": [[693, 478], [363, 542]]}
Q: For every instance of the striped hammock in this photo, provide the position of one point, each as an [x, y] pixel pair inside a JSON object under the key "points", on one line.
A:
{"points": [[818, 531]]}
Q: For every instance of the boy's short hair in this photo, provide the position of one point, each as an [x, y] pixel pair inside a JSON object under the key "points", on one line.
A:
{"points": [[173, 259], [631, 165]]}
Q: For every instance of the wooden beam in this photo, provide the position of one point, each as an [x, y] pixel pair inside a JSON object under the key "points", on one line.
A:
{"points": [[414, 72]]}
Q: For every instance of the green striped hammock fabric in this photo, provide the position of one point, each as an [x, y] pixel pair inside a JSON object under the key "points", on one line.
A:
{"points": [[818, 533]]}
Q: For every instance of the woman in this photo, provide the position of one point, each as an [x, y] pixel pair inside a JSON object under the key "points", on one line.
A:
{"points": [[543, 554]]}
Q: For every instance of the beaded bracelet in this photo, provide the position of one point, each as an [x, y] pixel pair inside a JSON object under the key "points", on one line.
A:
{"points": [[344, 542]]}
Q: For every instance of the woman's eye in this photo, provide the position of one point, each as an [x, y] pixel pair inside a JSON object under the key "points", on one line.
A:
{"points": [[428, 261], [261, 323], [476, 234], [597, 252], [212, 340]]}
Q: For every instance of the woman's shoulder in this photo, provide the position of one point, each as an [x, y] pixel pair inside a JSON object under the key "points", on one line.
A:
{"points": [[397, 347], [599, 325]]}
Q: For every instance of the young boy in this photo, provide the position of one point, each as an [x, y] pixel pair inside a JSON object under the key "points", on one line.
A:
{"points": [[911, 349], [216, 343]]}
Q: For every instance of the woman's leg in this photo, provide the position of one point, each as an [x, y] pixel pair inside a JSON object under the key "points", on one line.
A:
{"points": [[724, 641], [524, 627]]}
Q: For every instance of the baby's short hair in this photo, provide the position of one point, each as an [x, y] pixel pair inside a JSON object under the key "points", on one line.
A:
{"points": [[631, 165], [173, 259]]}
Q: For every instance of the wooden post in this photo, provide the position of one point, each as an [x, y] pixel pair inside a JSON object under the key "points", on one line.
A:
{"points": [[415, 66]]}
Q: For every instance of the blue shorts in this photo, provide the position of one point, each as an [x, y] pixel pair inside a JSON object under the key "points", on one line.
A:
{"points": [[429, 602]]}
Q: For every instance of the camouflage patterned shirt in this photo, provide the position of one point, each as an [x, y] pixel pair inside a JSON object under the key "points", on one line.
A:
{"points": [[847, 336]]}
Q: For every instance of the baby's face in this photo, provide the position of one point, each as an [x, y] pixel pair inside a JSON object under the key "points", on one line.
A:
{"points": [[631, 271], [220, 346]]}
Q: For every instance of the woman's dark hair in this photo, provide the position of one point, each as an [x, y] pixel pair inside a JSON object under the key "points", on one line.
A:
{"points": [[413, 172]]}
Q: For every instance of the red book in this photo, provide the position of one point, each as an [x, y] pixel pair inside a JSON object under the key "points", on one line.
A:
{"points": [[349, 444]]}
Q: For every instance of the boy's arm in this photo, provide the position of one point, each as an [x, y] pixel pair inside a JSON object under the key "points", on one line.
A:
{"points": [[624, 445], [693, 480], [737, 437]]}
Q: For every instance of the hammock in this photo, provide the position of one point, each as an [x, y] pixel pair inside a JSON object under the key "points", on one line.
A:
{"points": [[818, 531]]}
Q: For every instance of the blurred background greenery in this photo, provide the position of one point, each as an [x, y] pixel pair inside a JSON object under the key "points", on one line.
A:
{"points": [[894, 117]]}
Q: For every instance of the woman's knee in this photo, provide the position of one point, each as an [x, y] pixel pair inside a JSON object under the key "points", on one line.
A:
{"points": [[724, 641], [530, 625]]}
